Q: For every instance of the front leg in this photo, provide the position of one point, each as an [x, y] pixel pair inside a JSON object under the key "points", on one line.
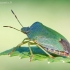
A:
{"points": [[19, 45]]}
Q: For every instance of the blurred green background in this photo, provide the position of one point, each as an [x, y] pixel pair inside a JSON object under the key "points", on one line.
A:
{"points": [[52, 13]]}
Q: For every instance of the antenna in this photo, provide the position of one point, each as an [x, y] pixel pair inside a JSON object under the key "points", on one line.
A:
{"points": [[11, 27], [16, 18]]}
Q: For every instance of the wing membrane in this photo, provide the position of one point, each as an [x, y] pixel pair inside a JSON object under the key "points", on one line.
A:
{"points": [[49, 43]]}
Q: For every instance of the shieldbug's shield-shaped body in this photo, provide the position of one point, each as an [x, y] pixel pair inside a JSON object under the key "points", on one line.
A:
{"points": [[45, 38]]}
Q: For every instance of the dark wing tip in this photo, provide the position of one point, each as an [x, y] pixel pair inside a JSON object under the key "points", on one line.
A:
{"points": [[65, 44]]}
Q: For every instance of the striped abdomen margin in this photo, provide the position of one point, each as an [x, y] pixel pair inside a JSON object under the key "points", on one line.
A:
{"points": [[57, 52]]}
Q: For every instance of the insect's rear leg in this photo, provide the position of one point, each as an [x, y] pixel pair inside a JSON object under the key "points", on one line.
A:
{"points": [[19, 45], [45, 51]]}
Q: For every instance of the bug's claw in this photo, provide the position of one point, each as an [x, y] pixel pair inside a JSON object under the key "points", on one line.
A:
{"points": [[51, 56], [9, 53], [31, 57]]}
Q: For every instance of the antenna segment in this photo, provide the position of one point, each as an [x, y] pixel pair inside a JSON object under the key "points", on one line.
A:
{"points": [[16, 18], [11, 27]]}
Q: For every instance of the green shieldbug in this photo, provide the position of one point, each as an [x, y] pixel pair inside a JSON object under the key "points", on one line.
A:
{"points": [[45, 38]]}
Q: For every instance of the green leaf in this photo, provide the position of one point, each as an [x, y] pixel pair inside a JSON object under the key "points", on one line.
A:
{"points": [[23, 52]]}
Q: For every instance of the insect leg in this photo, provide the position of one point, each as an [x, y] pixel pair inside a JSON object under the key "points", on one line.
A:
{"points": [[26, 39], [31, 43], [30, 52], [45, 51], [19, 45]]}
